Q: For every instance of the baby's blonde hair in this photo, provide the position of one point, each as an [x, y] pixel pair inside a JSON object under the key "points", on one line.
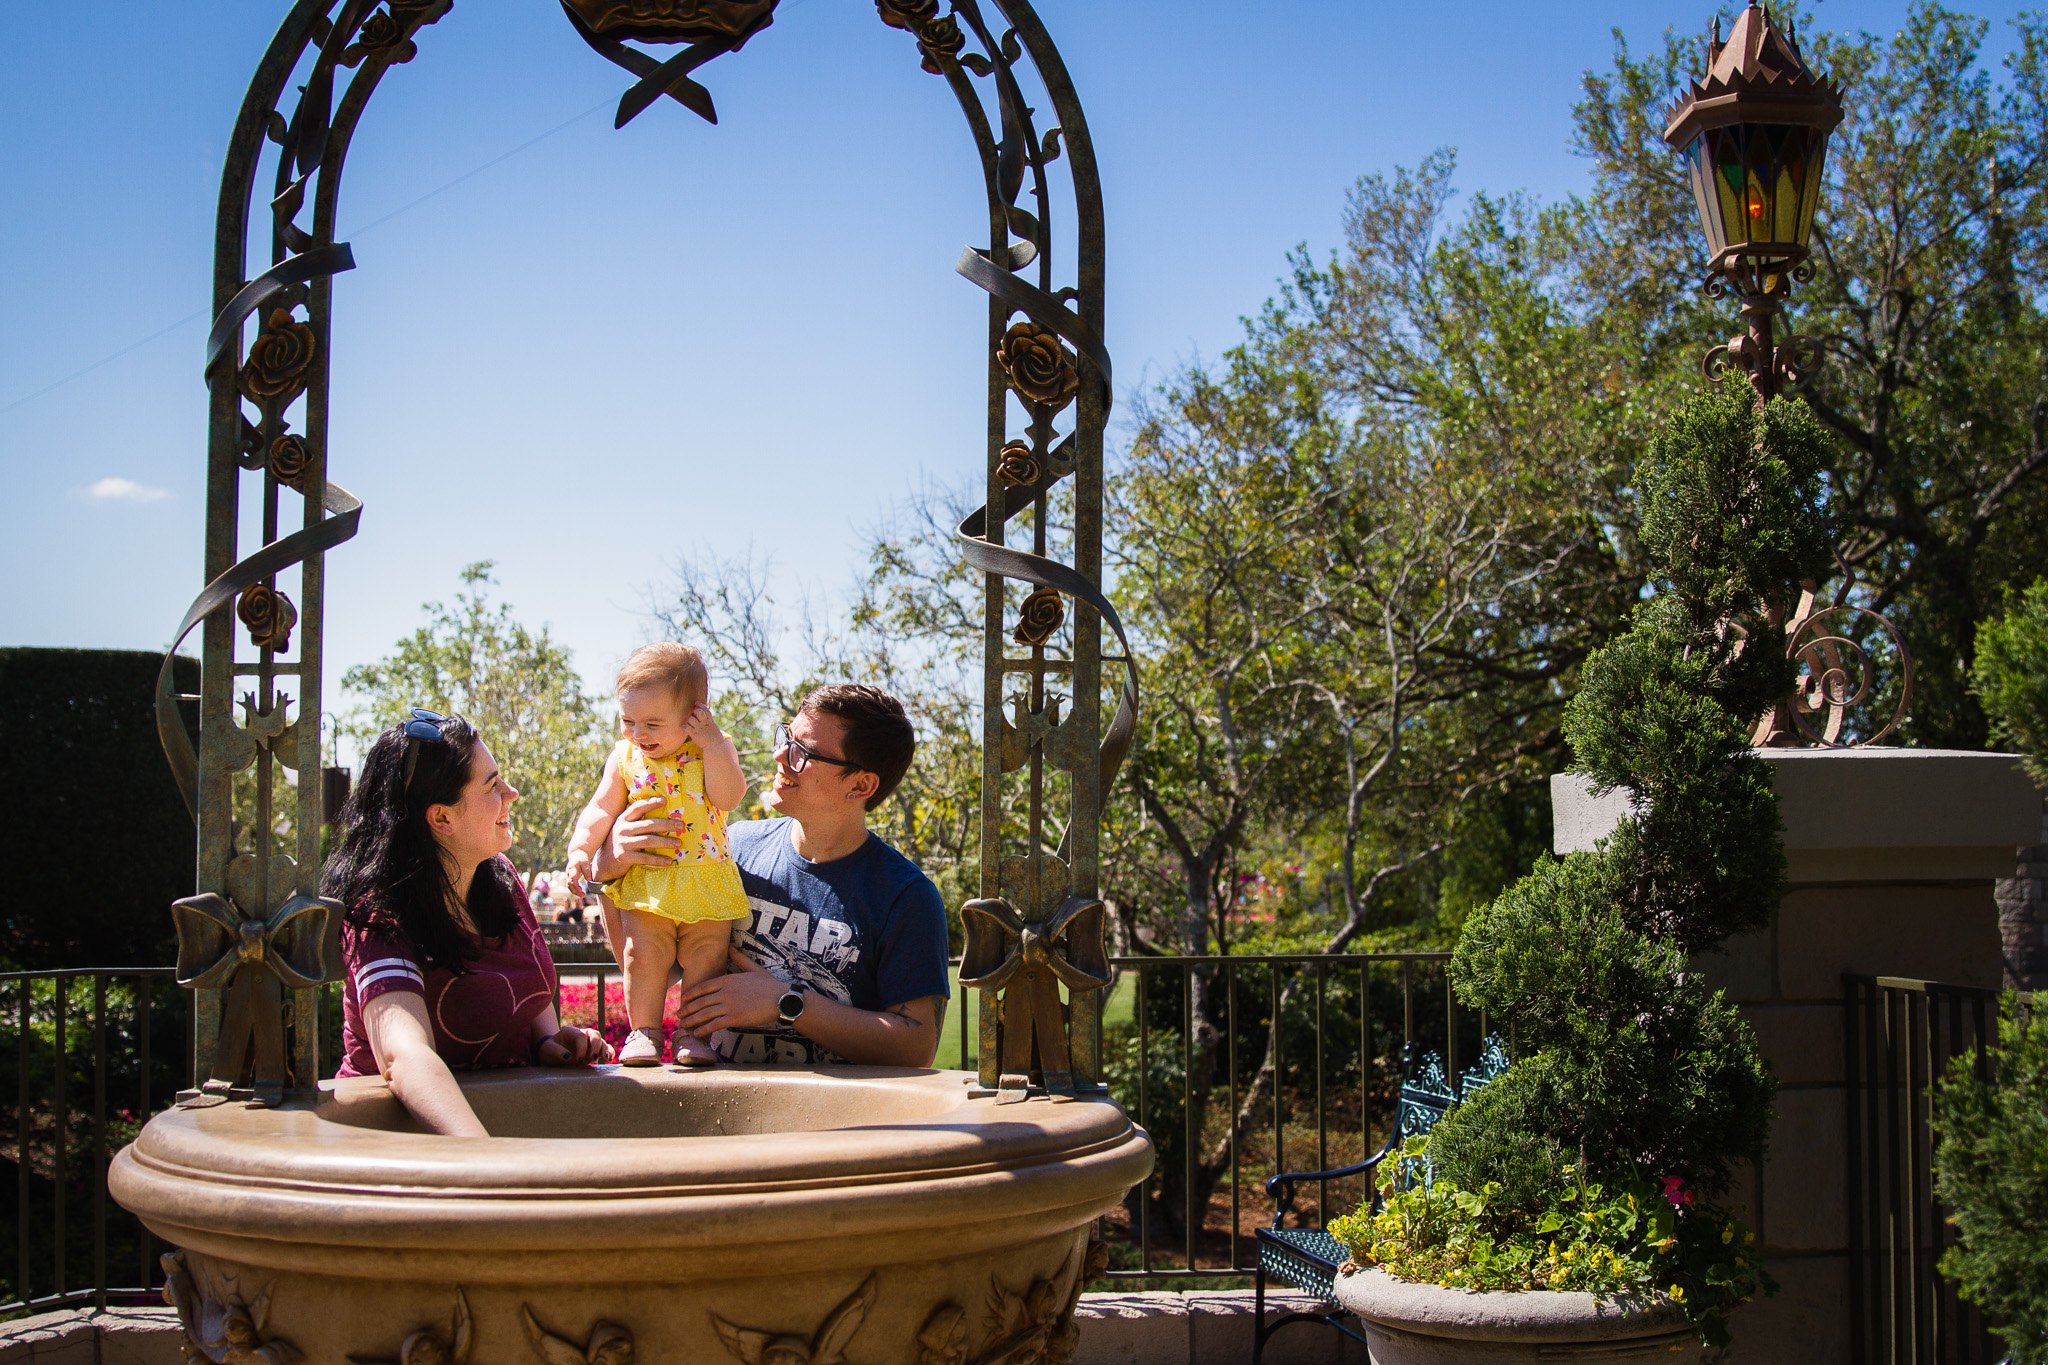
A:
{"points": [[678, 668]]}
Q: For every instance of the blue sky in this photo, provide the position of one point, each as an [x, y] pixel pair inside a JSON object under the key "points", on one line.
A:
{"points": [[613, 344]]}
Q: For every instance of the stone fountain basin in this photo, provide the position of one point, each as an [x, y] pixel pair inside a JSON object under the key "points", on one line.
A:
{"points": [[662, 1201]]}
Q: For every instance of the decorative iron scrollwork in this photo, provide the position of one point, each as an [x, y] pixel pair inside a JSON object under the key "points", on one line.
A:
{"points": [[673, 21], [712, 27], [1838, 674]]}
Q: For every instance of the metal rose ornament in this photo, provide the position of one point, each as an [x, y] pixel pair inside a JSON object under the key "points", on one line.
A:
{"points": [[1017, 465], [289, 459], [1038, 365], [909, 15], [253, 962], [278, 361], [940, 37], [269, 615], [1039, 617], [1029, 962]]}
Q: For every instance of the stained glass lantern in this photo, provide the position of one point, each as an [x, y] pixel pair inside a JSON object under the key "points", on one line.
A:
{"points": [[1754, 133]]}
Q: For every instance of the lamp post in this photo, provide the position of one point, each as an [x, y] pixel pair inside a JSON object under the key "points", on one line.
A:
{"points": [[1754, 134]]}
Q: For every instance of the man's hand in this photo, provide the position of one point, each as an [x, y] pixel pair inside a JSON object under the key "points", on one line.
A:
{"points": [[639, 838], [746, 997], [572, 1047]]}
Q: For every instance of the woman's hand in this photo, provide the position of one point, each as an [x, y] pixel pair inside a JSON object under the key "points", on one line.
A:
{"points": [[572, 1046], [639, 838]]}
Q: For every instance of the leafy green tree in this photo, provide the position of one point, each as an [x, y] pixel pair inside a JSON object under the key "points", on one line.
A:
{"points": [[1991, 1168], [2010, 677], [521, 689], [1991, 1173], [1930, 254]]}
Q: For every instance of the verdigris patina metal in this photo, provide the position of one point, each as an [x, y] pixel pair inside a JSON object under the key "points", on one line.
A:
{"points": [[1047, 399]]}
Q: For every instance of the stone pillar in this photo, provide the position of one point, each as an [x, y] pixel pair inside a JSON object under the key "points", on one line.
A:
{"points": [[2023, 918], [1892, 857]]}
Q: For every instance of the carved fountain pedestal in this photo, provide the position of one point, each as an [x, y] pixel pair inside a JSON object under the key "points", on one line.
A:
{"points": [[856, 1213]]}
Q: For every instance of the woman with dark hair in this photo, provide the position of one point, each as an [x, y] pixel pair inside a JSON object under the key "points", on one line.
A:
{"points": [[444, 968]]}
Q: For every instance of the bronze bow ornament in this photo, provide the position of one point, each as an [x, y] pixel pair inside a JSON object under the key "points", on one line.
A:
{"points": [[1028, 961], [253, 961]]}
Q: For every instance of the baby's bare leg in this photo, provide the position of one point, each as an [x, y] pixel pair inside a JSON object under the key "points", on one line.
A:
{"points": [[700, 955], [651, 945]]}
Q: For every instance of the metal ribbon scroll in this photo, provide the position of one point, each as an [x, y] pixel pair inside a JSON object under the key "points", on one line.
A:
{"points": [[344, 511]]}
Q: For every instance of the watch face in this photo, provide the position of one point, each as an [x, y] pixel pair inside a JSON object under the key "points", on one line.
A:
{"points": [[790, 1005]]}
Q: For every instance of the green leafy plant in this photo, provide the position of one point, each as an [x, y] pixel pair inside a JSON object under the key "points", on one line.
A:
{"points": [[1624, 1238], [1628, 1068], [2010, 675], [1991, 1170]]}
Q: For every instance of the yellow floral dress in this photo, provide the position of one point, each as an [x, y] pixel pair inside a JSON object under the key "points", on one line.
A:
{"points": [[702, 883]]}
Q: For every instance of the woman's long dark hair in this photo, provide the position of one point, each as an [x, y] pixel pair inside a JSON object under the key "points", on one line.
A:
{"points": [[389, 870]]}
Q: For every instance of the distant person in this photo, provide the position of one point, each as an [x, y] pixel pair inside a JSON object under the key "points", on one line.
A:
{"points": [[444, 968], [842, 957], [676, 910]]}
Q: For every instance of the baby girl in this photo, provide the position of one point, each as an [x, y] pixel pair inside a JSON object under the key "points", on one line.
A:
{"points": [[681, 913]]}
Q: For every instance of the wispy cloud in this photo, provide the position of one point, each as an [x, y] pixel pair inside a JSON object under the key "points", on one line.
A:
{"points": [[113, 489]]}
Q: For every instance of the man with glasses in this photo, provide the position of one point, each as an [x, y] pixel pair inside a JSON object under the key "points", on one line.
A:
{"points": [[844, 955]]}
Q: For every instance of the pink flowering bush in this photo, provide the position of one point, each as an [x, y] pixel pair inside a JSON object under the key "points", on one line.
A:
{"points": [[580, 1006]]}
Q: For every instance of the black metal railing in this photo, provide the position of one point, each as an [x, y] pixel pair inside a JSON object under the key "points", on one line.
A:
{"points": [[86, 1045], [1239, 1066], [1900, 1036], [1244, 1066]]}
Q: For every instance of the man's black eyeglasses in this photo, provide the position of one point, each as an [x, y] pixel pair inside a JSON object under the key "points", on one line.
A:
{"points": [[423, 728], [800, 757]]}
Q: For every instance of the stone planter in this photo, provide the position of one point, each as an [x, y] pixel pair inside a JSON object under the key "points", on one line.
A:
{"points": [[1427, 1324], [649, 1215]]}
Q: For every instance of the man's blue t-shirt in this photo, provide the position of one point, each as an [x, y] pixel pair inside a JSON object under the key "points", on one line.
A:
{"points": [[868, 930]]}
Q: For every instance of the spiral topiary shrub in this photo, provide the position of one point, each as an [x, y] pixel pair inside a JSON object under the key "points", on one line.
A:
{"points": [[1628, 1071]]}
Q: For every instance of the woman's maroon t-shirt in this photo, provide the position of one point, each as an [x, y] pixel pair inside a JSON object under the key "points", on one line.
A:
{"points": [[483, 1018]]}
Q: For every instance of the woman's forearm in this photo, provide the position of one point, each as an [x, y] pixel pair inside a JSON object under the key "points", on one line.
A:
{"points": [[426, 1087]]}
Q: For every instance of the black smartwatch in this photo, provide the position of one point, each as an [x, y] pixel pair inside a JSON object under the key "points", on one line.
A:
{"points": [[790, 1007]]}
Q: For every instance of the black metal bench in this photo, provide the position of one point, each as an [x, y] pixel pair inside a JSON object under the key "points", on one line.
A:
{"points": [[1307, 1258]]}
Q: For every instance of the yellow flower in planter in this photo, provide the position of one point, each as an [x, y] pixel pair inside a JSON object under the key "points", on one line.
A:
{"points": [[1677, 1294]]}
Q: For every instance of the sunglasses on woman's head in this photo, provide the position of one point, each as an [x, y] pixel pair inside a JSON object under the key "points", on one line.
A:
{"points": [[423, 728]]}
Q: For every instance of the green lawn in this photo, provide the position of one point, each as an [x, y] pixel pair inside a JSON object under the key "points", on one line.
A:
{"points": [[1118, 1013]]}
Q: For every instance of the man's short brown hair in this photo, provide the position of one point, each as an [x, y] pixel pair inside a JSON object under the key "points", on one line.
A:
{"points": [[879, 737]]}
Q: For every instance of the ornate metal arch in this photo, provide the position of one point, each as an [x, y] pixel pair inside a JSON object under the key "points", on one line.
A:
{"points": [[256, 939]]}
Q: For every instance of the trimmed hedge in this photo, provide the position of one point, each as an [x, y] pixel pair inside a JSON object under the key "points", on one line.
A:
{"points": [[95, 840]]}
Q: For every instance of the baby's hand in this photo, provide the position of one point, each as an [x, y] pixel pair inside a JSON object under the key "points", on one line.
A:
{"points": [[700, 729], [578, 870]]}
